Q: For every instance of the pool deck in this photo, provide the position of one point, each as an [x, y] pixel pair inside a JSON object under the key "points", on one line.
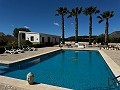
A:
{"points": [[112, 58]]}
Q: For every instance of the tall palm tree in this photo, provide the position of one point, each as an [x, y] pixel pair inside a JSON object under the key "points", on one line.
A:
{"points": [[89, 12], [62, 11], [75, 12], [105, 16]]}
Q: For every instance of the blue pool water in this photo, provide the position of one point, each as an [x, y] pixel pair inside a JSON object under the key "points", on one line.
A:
{"points": [[78, 70]]}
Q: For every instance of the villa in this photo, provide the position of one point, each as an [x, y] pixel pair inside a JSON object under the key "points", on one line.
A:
{"points": [[38, 38], [76, 53]]}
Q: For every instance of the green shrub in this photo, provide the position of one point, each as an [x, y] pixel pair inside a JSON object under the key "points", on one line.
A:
{"points": [[25, 42], [37, 45], [94, 42], [2, 42], [13, 43], [2, 50]]}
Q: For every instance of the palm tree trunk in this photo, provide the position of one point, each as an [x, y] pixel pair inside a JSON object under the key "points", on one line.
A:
{"points": [[19, 40], [63, 42], [106, 32], [76, 29], [90, 30]]}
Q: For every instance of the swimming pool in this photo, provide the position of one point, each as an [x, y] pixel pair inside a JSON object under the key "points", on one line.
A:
{"points": [[78, 70]]}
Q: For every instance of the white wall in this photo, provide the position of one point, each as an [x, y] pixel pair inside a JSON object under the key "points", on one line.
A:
{"points": [[38, 37], [35, 35]]}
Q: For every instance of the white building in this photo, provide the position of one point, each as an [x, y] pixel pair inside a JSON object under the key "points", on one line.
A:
{"points": [[38, 38]]}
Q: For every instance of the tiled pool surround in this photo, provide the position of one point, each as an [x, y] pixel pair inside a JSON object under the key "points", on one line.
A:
{"points": [[111, 64]]}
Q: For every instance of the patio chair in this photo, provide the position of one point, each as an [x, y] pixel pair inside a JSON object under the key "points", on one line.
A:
{"points": [[31, 48], [25, 48], [16, 48], [81, 46], [117, 46], [10, 51], [20, 50]]}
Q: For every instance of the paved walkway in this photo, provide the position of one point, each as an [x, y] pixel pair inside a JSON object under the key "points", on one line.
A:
{"points": [[114, 55], [9, 87], [10, 58]]}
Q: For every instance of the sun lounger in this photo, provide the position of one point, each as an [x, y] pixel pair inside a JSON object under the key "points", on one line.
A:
{"points": [[31, 48], [117, 46], [20, 51], [16, 48], [81, 46], [10, 51]]}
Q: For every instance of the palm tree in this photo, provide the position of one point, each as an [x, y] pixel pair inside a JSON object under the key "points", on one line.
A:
{"points": [[75, 12], [90, 11], [105, 16], [62, 11]]}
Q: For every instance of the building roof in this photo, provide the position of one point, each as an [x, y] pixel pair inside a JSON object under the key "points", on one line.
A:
{"points": [[37, 33]]}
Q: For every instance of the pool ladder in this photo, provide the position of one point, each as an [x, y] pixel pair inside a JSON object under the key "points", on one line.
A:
{"points": [[114, 82]]}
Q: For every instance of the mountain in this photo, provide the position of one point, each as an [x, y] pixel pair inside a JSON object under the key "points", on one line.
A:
{"points": [[115, 34], [2, 34]]}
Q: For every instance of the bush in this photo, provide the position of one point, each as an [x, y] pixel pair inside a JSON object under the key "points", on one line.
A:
{"points": [[2, 50], [25, 42], [2, 42], [38, 45], [13, 43], [94, 42]]}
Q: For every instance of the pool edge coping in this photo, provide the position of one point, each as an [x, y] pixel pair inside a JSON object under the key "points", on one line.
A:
{"points": [[23, 59], [22, 83], [115, 68]]}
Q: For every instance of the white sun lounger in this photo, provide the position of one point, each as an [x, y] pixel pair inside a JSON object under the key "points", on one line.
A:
{"points": [[79, 46], [10, 51]]}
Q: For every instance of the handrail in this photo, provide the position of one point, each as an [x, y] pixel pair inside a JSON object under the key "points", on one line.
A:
{"points": [[113, 79], [116, 77]]}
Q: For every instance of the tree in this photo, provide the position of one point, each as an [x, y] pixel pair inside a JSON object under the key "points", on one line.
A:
{"points": [[2, 34], [62, 11], [75, 12], [2, 42], [89, 12], [16, 31], [106, 16], [100, 39], [25, 42], [8, 38]]}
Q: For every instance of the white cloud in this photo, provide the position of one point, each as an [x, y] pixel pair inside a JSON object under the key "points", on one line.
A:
{"points": [[56, 24], [26, 27]]}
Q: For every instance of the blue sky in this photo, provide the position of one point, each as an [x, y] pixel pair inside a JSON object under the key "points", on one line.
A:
{"points": [[39, 16]]}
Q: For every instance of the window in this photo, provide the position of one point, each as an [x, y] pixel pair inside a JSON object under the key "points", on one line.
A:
{"points": [[42, 39], [55, 40], [32, 38], [48, 39]]}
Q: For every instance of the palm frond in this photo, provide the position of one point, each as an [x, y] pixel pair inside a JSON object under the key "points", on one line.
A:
{"points": [[100, 21], [62, 11], [90, 10], [97, 11], [56, 14], [112, 14], [75, 11], [99, 17], [69, 16], [85, 11]]}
